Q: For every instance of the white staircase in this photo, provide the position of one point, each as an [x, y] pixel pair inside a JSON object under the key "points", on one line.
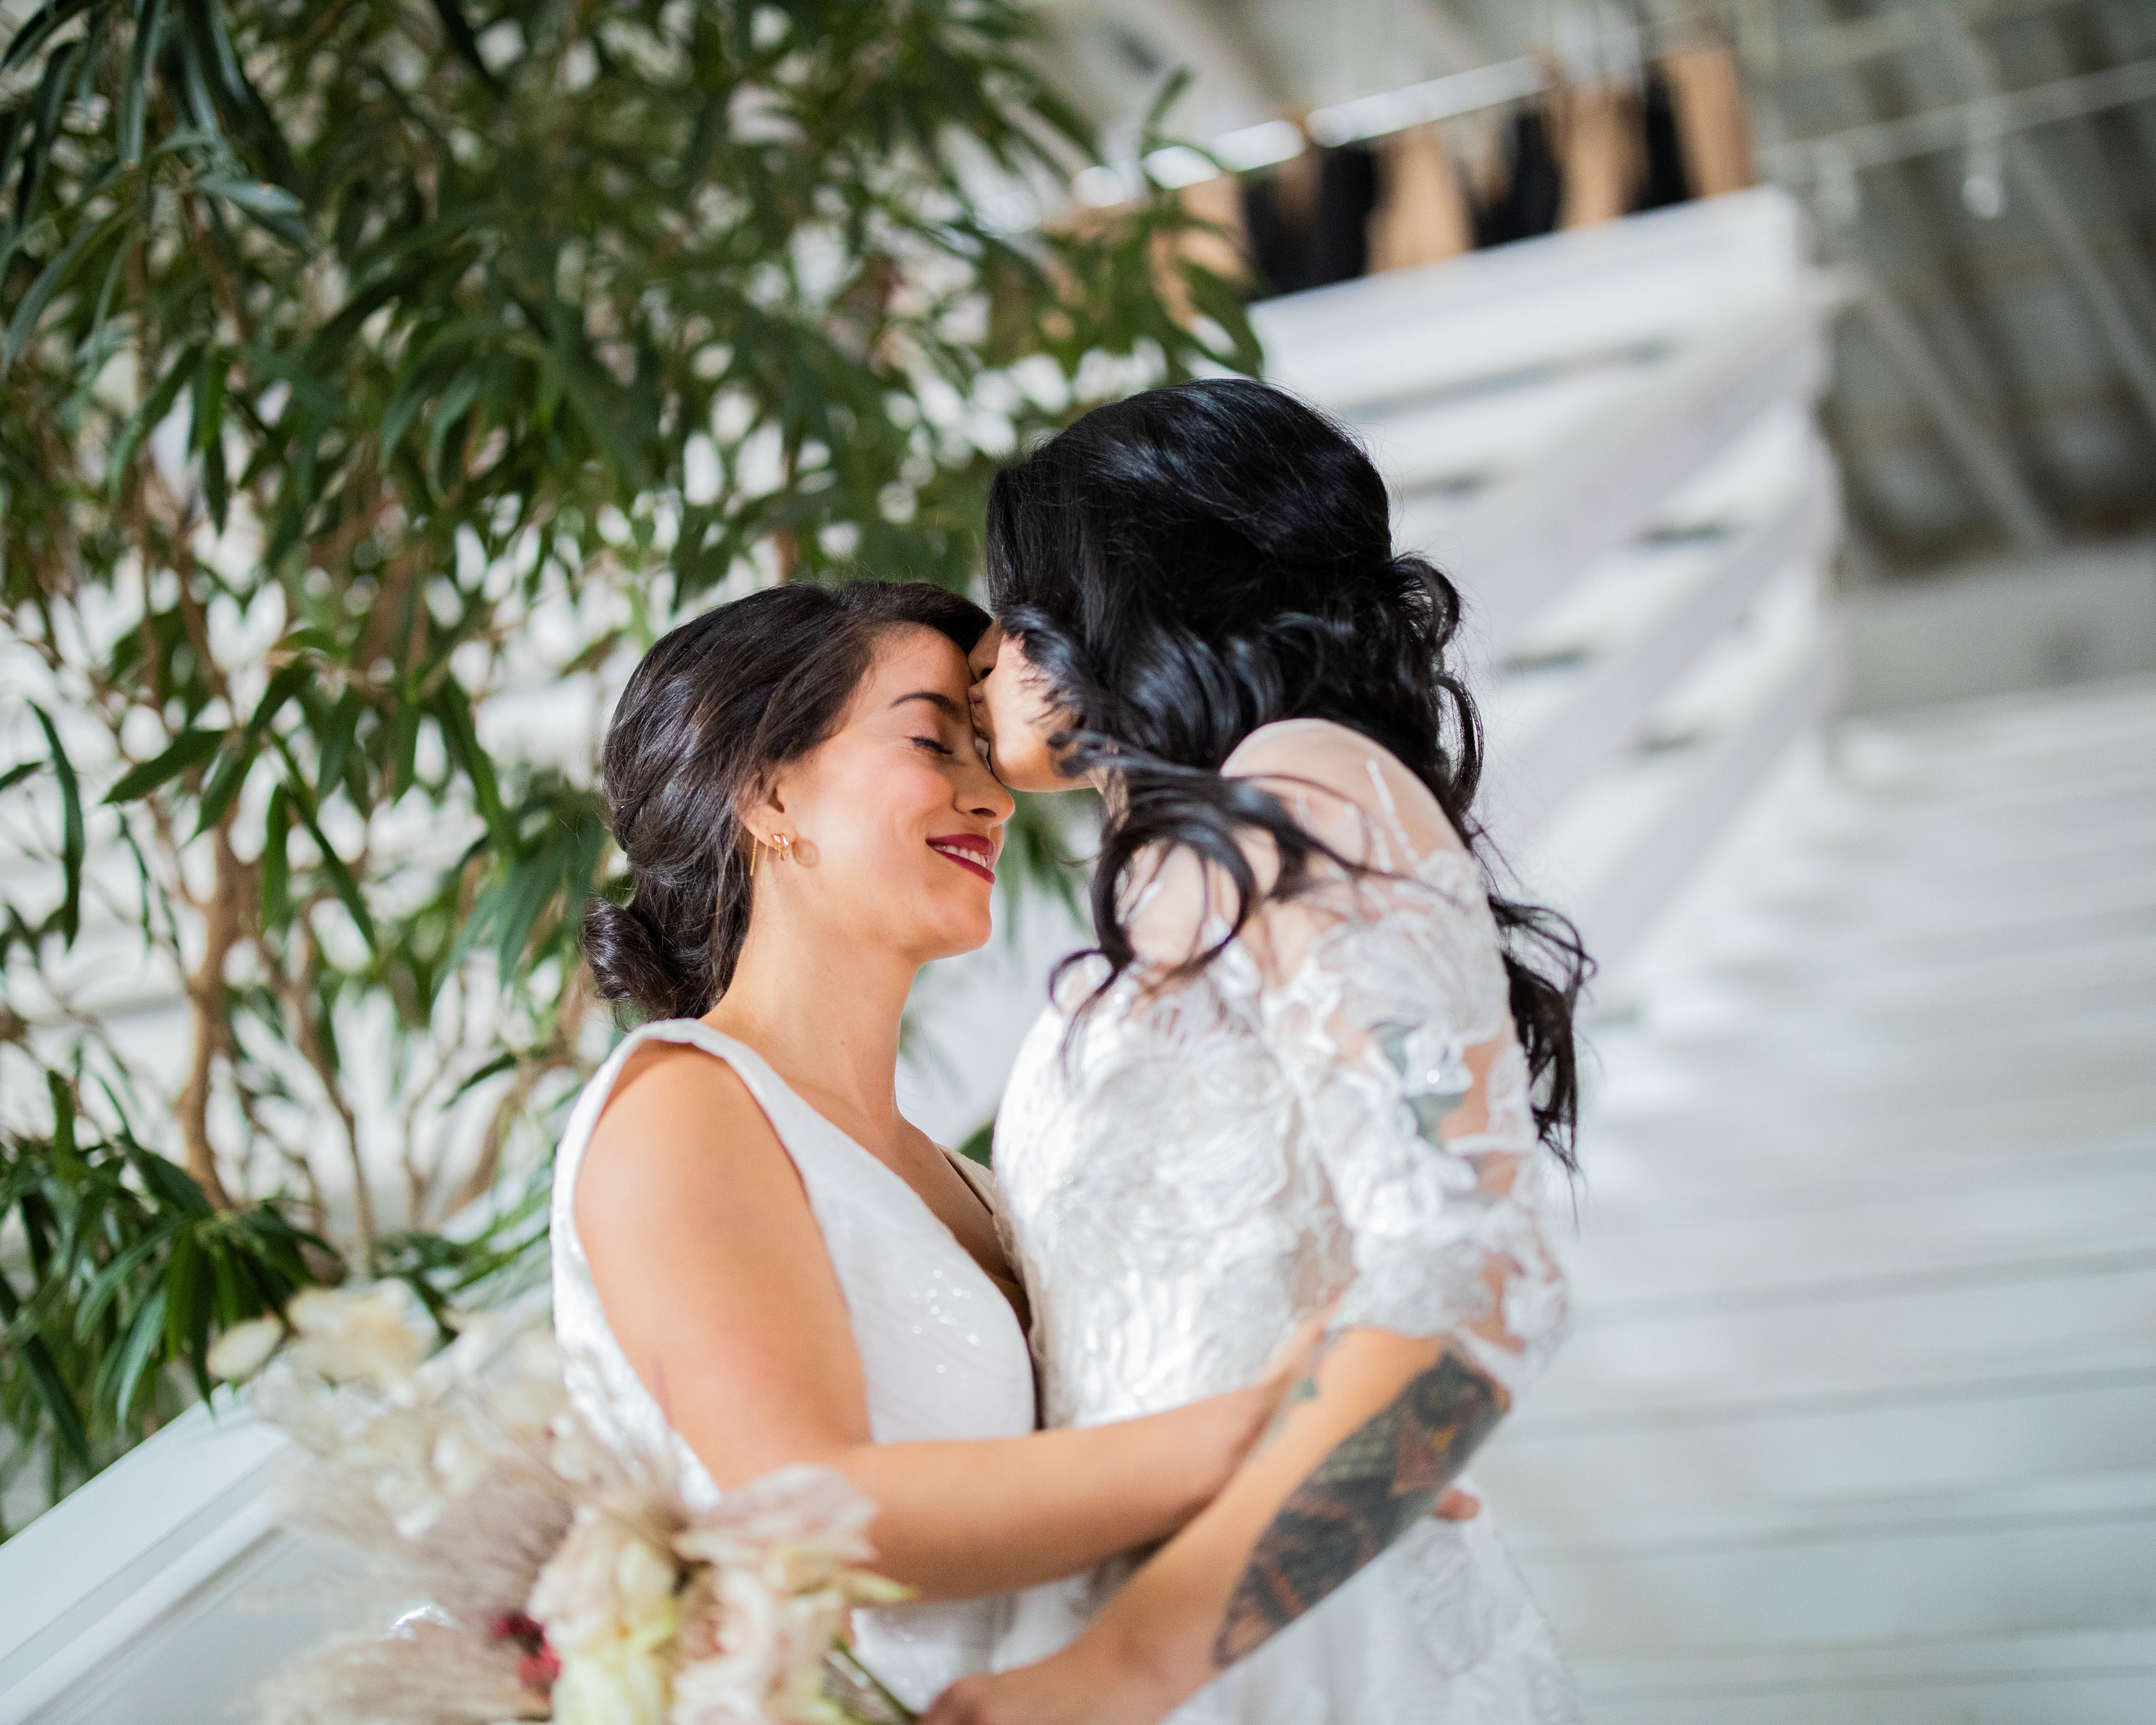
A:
{"points": [[1859, 1423]]}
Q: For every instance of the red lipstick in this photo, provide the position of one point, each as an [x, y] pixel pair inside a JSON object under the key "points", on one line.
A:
{"points": [[970, 851]]}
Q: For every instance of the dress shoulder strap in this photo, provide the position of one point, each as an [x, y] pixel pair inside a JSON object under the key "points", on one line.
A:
{"points": [[979, 1179], [804, 1134], [838, 1173]]}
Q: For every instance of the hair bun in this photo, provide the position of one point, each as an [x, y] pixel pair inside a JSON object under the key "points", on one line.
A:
{"points": [[631, 962]]}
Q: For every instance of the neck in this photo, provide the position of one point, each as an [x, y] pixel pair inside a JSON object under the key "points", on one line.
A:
{"points": [[822, 1008]]}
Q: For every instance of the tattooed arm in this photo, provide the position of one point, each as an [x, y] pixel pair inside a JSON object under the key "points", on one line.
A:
{"points": [[1371, 1486], [1344, 1473]]}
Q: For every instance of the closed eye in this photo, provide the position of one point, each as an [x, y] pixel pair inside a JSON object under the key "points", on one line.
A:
{"points": [[931, 743]]}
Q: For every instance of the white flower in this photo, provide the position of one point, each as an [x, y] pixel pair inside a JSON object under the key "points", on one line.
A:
{"points": [[780, 1588], [244, 1349], [605, 1586], [619, 1684], [345, 1335]]}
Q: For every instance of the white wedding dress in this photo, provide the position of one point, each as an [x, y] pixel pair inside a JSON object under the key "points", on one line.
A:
{"points": [[1192, 1169], [941, 1349]]}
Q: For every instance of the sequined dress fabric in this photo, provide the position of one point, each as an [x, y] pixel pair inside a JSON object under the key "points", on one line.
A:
{"points": [[941, 1351], [1188, 1171]]}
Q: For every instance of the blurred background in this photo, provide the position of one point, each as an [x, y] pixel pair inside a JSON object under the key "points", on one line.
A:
{"points": [[1777, 378]]}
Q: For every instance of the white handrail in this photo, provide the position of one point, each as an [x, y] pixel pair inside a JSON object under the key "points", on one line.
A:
{"points": [[83, 1585]]}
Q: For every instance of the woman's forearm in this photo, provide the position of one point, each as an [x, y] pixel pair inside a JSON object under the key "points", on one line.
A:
{"points": [[959, 1519], [1387, 1424]]}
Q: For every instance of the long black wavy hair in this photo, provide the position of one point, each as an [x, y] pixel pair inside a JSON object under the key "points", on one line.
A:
{"points": [[1194, 562], [710, 712]]}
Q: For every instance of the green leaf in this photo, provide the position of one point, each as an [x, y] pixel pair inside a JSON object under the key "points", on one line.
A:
{"points": [[403, 747], [51, 98], [19, 772], [190, 748], [50, 281], [256, 195], [223, 785], [60, 1405], [67, 1159], [336, 740], [72, 842], [146, 419], [341, 876], [135, 87], [289, 680], [231, 772], [504, 1062], [136, 1354], [181, 1271], [272, 208], [276, 858], [39, 29], [206, 434], [452, 709], [458, 31], [171, 1185], [112, 1281]]}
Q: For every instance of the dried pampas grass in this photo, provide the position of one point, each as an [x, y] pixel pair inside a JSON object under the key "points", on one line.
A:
{"points": [[423, 1673]]}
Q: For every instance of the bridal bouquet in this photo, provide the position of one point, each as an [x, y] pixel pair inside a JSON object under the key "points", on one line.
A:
{"points": [[516, 1568]]}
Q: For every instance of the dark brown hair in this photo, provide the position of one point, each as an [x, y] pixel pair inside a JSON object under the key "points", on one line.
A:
{"points": [[714, 707]]}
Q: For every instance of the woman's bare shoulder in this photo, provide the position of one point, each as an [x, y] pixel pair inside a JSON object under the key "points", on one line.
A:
{"points": [[679, 1126], [1343, 784]]}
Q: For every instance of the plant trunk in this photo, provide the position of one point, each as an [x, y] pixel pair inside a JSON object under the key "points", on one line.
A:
{"points": [[222, 915]]}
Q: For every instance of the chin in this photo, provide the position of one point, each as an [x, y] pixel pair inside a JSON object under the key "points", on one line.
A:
{"points": [[966, 933]]}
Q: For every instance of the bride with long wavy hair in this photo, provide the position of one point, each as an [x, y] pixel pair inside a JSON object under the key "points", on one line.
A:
{"points": [[1318, 1059]]}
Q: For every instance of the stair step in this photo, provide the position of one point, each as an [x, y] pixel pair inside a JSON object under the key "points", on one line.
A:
{"points": [[1660, 1259], [2088, 1677], [1621, 1192], [2029, 1316], [1789, 1132], [2012, 1562], [1579, 1467]]}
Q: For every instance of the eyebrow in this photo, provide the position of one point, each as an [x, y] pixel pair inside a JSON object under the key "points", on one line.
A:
{"points": [[943, 703]]}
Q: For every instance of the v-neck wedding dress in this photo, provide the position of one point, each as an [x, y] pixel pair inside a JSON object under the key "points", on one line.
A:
{"points": [[1187, 1169], [941, 1350]]}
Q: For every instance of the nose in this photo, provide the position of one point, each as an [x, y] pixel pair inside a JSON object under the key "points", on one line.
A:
{"points": [[982, 793], [982, 659]]}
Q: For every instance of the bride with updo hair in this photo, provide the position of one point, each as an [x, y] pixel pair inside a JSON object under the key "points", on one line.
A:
{"points": [[757, 1260]]}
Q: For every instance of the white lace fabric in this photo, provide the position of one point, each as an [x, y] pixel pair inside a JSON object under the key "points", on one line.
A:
{"points": [[1391, 1025], [1336, 1108], [942, 1355]]}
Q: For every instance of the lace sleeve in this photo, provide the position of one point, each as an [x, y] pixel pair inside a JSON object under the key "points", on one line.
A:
{"points": [[1384, 999]]}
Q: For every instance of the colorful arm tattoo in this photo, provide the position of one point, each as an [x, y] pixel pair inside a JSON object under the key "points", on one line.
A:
{"points": [[1376, 1482]]}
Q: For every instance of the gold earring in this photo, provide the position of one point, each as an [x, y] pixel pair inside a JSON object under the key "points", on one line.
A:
{"points": [[755, 855], [783, 845]]}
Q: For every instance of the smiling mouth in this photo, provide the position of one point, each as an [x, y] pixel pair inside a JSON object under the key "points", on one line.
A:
{"points": [[977, 856]]}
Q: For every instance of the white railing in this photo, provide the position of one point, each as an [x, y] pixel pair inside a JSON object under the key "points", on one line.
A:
{"points": [[1604, 436]]}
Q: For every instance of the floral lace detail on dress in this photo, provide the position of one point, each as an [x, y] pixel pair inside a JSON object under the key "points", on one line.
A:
{"points": [[1398, 987]]}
